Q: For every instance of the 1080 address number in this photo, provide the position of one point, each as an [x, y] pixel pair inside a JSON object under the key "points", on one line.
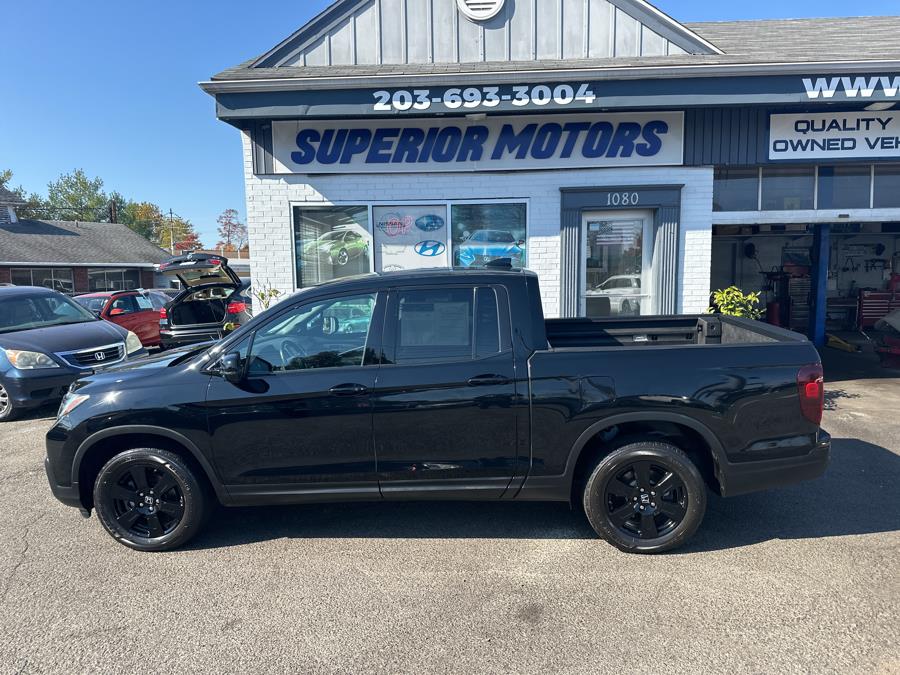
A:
{"points": [[482, 97]]}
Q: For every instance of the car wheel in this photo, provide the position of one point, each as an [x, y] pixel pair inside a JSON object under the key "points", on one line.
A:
{"points": [[626, 307], [8, 410], [150, 499], [342, 258], [645, 497]]}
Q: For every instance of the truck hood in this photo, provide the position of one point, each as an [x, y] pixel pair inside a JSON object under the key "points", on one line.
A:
{"points": [[131, 371], [68, 338]]}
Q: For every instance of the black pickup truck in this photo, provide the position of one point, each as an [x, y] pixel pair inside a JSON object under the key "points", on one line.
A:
{"points": [[445, 385]]}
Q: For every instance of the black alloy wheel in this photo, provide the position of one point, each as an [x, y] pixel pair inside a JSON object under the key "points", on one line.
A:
{"points": [[645, 497], [149, 499]]}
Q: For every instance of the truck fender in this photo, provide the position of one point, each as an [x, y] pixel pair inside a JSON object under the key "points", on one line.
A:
{"points": [[712, 441], [125, 430]]}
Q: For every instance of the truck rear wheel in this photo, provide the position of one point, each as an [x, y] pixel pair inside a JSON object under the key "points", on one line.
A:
{"points": [[645, 497]]}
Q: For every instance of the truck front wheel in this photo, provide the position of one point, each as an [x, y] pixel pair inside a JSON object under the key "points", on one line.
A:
{"points": [[645, 497]]}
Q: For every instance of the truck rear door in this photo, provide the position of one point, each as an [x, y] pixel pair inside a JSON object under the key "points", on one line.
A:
{"points": [[445, 404]]}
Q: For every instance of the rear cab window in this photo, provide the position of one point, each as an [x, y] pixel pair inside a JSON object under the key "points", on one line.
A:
{"points": [[439, 325]]}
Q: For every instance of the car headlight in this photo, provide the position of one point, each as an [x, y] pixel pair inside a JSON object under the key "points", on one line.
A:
{"points": [[71, 401], [24, 360], [132, 344]]}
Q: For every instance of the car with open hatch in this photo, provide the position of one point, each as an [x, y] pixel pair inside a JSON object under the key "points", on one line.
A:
{"points": [[212, 302], [445, 384], [47, 341]]}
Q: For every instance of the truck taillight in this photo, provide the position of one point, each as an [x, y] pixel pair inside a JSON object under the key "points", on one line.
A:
{"points": [[236, 307], [811, 387]]}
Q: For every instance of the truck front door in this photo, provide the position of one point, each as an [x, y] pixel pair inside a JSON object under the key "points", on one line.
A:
{"points": [[445, 403]]}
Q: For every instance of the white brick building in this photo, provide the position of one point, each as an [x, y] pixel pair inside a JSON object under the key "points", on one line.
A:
{"points": [[597, 142]]}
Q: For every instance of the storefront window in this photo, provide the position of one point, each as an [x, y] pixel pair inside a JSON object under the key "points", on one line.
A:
{"points": [[788, 188], [614, 269], [59, 279], [331, 242], [844, 187], [485, 232], [410, 237], [736, 189], [102, 279], [887, 186]]}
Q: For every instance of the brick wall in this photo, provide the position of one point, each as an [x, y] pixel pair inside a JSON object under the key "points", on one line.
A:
{"points": [[5, 276], [147, 279], [269, 200], [80, 277]]}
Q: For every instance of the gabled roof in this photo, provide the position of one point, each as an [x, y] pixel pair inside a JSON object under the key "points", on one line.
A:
{"points": [[10, 198], [75, 243], [802, 45]]}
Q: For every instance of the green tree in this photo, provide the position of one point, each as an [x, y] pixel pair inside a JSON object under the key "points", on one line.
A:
{"points": [[34, 206], [734, 302], [74, 196]]}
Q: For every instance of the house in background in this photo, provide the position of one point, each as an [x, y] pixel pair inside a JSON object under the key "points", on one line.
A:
{"points": [[73, 256]]}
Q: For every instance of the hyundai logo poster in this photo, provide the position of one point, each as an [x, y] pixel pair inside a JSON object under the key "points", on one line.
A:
{"points": [[410, 237], [492, 144]]}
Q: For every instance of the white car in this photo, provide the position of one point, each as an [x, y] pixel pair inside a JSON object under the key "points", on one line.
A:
{"points": [[623, 291]]}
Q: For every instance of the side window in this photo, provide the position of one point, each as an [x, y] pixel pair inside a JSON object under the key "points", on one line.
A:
{"points": [[143, 303], [329, 333], [124, 303], [447, 324]]}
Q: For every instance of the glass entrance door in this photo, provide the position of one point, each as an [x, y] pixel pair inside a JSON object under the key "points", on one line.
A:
{"points": [[616, 264]]}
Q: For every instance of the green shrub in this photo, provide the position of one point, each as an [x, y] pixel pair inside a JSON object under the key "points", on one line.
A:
{"points": [[734, 302]]}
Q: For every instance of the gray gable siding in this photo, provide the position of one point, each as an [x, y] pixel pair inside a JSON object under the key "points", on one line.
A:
{"points": [[383, 32]]}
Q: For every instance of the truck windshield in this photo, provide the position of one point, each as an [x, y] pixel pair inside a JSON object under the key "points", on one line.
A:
{"points": [[40, 311]]}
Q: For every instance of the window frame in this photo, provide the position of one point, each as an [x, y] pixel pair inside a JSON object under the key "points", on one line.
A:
{"points": [[373, 337], [391, 333], [370, 205]]}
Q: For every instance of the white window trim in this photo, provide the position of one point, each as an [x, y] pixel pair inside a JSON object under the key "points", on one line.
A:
{"points": [[372, 204]]}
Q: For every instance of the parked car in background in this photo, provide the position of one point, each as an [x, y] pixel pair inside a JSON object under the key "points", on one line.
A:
{"points": [[47, 341], [212, 302], [623, 291], [487, 245], [445, 385], [137, 311], [337, 247]]}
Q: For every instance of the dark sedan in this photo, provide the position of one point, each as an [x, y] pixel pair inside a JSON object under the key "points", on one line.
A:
{"points": [[47, 341]]}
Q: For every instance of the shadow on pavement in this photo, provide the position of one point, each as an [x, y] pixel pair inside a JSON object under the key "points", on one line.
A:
{"points": [[857, 495]]}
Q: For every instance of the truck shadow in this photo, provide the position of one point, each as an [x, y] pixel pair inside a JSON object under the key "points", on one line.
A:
{"points": [[857, 495]]}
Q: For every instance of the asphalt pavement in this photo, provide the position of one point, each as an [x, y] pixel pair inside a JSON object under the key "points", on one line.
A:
{"points": [[804, 579]]}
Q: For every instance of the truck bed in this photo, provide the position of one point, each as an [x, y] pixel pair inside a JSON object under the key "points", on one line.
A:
{"points": [[662, 330]]}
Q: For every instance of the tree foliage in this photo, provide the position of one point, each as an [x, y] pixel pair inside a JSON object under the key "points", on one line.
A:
{"points": [[232, 232], [76, 196]]}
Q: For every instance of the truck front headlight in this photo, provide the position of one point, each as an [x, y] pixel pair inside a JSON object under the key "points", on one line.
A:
{"points": [[132, 344], [71, 401], [24, 360]]}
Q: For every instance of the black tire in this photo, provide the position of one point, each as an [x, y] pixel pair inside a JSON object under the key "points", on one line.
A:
{"points": [[342, 258], [164, 513], [8, 410], [626, 307], [623, 508]]}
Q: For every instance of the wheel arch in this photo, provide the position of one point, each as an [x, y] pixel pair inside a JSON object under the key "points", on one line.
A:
{"points": [[592, 445], [100, 447]]}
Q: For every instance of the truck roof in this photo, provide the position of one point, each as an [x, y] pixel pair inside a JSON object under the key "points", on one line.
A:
{"points": [[430, 274]]}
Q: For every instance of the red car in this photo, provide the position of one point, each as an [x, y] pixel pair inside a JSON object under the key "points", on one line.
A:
{"points": [[138, 311]]}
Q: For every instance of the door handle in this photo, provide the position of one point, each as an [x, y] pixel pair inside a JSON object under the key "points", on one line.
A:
{"points": [[350, 389], [487, 380]]}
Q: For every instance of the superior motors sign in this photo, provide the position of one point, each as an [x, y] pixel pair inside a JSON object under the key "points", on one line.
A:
{"points": [[492, 144], [857, 135]]}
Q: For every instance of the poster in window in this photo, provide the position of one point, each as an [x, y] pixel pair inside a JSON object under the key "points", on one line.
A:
{"points": [[410, 237], [331, 242], [486, 232]]}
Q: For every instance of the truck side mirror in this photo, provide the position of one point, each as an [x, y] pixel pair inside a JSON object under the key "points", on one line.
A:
{"points": [[231, 368]]}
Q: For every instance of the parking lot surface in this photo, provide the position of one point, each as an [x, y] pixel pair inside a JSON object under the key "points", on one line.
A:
{"points": [[800, 579]]}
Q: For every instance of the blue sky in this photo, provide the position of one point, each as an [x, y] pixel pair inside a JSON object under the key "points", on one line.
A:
{"points": [[111, 87]]}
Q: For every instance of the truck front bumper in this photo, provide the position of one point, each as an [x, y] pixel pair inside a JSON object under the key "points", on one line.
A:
{"points": [[740, 478]]}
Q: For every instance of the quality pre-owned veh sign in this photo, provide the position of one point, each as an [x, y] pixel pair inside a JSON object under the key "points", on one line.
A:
{"points": [[498, 143], [855, 135]]}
